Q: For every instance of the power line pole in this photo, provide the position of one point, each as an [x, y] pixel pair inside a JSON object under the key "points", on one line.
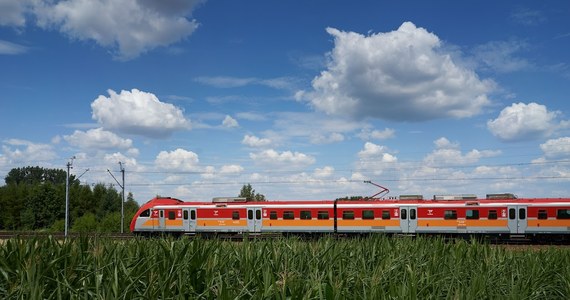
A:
{"points": [[69, 166], [123, 200], [123, 196]]}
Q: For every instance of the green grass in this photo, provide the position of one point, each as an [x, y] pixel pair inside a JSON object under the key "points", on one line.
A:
{"points": [[377, 267]]}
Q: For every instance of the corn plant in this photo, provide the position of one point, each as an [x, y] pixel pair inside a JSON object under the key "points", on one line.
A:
{"points": [[376, 267]]}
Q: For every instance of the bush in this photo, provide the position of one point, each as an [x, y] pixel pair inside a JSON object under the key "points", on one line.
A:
{"points": [[86, 223]]}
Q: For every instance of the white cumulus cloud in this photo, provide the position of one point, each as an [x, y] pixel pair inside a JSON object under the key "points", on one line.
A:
{"points": [[522, 121], [229, 122], [137, 112], [556, 148], [129, 27], [254, 142], [271, 157], [97, 139], [449, 154], [403, 75], [177, 160]]}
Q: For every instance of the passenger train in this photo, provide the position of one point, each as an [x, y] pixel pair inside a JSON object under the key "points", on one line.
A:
{"points": [[497, 215]]}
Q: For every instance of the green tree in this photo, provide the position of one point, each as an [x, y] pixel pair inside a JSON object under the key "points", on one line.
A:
{"points": [[248, 192]]}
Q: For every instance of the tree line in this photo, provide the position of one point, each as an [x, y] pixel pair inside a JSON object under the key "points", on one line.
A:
{"points": [[33, 198]]}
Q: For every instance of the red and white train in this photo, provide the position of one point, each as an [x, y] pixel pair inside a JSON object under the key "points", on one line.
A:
{"points": [[501, 215]]}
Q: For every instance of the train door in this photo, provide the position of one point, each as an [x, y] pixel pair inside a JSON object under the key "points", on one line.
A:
{"points": [[189, 219], [254, 219], [517, 215], [161, 220], [408, 219]]}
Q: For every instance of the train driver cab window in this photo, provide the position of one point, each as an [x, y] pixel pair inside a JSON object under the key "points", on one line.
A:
{"points": [[492, 215], [171, 215], [542, 214], [348, 215], [288, 215], [367, 215], [235, 215], [563, 214], [450, 215], [273, 215], [323, 215], [385, 215], [305, 215], [145, 213], [472, 214]]}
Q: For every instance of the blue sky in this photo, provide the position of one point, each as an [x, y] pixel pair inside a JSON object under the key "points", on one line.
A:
{"points": [[302, 99]]}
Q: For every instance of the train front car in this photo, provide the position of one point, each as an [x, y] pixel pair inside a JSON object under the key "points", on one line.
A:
{"points": [[147, 219]]}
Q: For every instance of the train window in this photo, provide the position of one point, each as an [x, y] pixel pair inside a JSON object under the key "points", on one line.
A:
{"points": [[250, 214], [348, 215], [258, 214], [145, 213], [171, 215], [512, 213], [492, 215], [385, 215], [306, 215], [563, 214], [161, 212], [273, 215], [288, 215], [367, 215], [412, 214], [404, 214], [450, 215], [193, 215], [185, 215], [235, 215], [323, 215], [542, 214], [522, 213], [472, 214]]}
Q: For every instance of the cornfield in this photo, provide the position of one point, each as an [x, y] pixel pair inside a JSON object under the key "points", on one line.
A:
{"points": [[376, 267]]}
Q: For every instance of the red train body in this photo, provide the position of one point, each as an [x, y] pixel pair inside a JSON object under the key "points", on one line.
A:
{"points": [[547, 217]]}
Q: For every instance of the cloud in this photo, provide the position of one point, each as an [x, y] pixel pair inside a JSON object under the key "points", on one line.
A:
{"points": [[499, 56], [9, 48], [449, 154], [367, 134], [556, 148], [229, 122], [281, 83], [522, 121], [402, 75], [372, 150], [129, 27], [320, 139], [231, 169], [97, 139], [177, 160], [255, 142], [137, 112], [17, 151], [12, 12], [325, 172], [273, 158], [528, 17]]}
